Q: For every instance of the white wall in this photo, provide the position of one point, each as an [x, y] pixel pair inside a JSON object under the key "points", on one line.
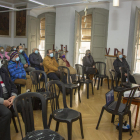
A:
{"points": [[118, 28], [65, 24]]}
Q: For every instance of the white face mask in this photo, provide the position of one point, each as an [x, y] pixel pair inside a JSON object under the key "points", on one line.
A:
{"points": [[2, 50]]}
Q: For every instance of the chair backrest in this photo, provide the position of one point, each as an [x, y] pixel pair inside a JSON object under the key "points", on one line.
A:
{"points": [[113, 75], [62, 73], [80, 71], [132, 92], [23, 102], [101, 67], [39, 84], [54, 94]]}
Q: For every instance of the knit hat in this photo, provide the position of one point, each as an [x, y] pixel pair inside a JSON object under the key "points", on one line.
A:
{"points": [[13, 54]]}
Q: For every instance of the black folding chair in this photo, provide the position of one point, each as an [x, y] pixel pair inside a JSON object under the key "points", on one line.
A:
{"points": [[82, 80], [65, 114], [120, 109], [24, 101], [69, 85], [101, 67], [113, 76]]}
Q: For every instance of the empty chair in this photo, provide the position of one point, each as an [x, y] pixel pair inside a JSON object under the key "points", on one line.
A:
{"points": [[101, 67], [118, 108], [82, 80], [39, 80], [25, 102], [69, 85], [65, 114]]}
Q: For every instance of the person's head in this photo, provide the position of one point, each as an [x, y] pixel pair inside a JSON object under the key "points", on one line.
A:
{"points": [[62, 54], [50, 53], [14, 56], [1, 49], [119, 55], [35, 50], [14, 48], [88, 53], [20, 49]]}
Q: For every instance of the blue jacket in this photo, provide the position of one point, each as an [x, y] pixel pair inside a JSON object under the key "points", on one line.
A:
{"points": [[26, 57], [16, 70]]}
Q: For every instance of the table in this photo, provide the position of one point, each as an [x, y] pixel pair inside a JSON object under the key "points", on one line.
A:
{"points": [[135, 101]]}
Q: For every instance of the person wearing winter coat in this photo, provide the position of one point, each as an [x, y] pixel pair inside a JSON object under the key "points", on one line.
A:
{"points": [[8, 92], [17, 71], [24, 59], [62, 61], [121, 62], [36, 60]]}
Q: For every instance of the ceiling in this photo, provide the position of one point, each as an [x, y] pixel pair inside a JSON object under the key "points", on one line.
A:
{"points": [[52, 3]]}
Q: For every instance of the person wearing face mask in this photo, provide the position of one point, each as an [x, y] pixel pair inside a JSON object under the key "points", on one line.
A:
{"points": [[24, 59], [3, 54], [51, 67], [121, 62], [62, 61], [36, 60], [14, 48], [89, 65], [17, 71], [8, 92]]}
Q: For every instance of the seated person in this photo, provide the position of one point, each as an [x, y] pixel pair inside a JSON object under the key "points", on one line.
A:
{"points": [[51, 66], [62, 61], [88, 61], [24, 59], [36, 60], [8, 92], [121, 62], [3, 54], [17, 72], [14, 48]]}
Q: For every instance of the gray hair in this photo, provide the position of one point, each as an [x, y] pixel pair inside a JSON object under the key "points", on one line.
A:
{"points": [[61, 53], [87, 51], [33, 49]]}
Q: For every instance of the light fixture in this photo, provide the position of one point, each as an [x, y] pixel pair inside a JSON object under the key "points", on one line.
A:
{"points": [[37, 2], [115, 2], [7, 7]]}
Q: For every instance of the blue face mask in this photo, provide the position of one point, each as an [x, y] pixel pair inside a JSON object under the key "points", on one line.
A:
{"points": [[51, 55], [36, 51], [14, 49], [17, 59], [120, 56], [21, 51]]}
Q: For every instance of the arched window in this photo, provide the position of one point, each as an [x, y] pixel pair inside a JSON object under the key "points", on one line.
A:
{"points": [[42, 37]]}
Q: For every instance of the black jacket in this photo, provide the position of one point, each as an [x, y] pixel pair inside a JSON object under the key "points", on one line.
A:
{"points": [[117, 63], [10, 86], [35, 59], [88, 61]]}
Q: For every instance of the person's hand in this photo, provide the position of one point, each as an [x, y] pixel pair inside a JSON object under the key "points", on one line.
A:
{"points": [[6, 103], [125, 74], [26, 65], [94, 66], [41, 64], [11, 99]]}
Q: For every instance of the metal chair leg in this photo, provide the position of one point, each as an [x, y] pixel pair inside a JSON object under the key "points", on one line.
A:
{"points": [[113, 117], [50, 119], [130, 123], [98, 83], [92, 88], [120, 126], [79, 94]]}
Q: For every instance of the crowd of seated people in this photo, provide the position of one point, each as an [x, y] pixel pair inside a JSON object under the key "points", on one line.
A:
{"points": [[19, 63]]}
